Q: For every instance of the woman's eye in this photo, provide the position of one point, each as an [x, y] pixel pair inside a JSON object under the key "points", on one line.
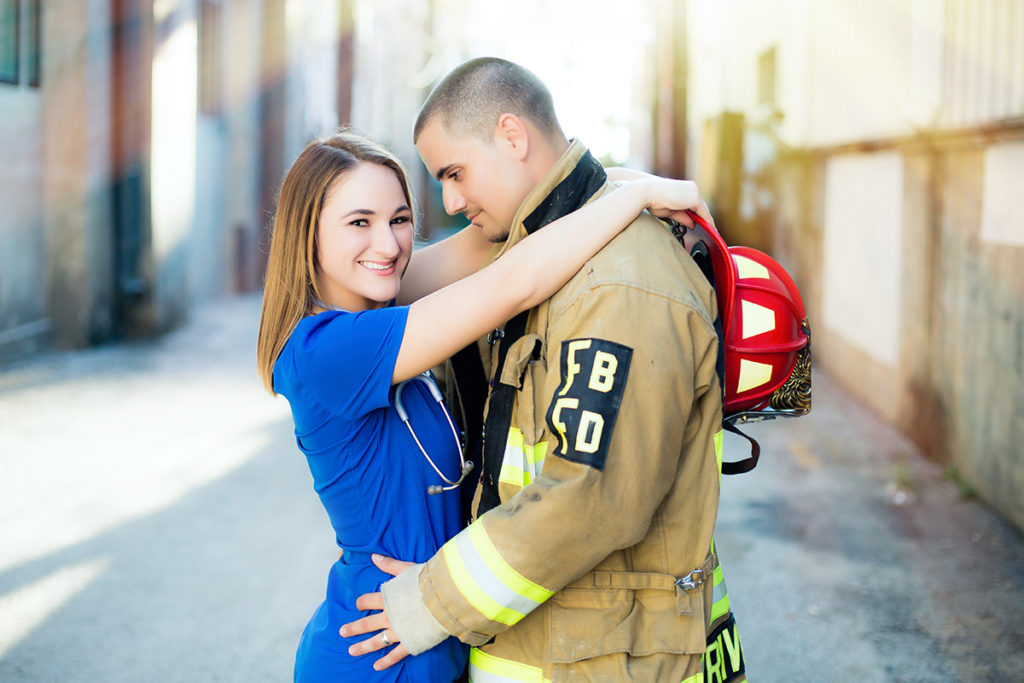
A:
{"points": [[359, 223], [399, 220]]}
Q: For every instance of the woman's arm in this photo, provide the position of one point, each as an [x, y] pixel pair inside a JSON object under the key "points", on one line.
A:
{"points": [[530, 272], [441, 264], [462, 254], [621, 173], [617, 174]]}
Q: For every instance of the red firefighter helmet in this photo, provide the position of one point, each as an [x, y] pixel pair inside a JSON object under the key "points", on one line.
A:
{"points": [[765, 336]]}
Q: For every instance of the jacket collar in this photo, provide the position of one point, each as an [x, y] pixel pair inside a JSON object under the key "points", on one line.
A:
{"points": [[570, 184]]}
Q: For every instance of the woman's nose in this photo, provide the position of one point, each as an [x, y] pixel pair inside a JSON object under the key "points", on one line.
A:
{"points": [[384, 241]]}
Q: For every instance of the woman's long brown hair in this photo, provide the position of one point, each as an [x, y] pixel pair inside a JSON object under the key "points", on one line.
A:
{"points": [[290, 290]]}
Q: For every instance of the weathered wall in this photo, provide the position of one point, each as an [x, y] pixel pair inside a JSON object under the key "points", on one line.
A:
{"points": [[76, 159], [951, 373], [978, 330], [23, 321]]}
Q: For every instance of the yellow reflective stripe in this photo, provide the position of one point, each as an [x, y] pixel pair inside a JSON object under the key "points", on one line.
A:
{"points": [[520, 463], [695, 678], [512, 470], [488, 583], [719, 439], [510, 474], [485, 668], [719, 596], [535, 456], [503, 570], [476, 597]]}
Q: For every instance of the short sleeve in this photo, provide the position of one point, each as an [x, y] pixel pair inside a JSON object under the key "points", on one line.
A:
{"points": [[346, 360]]}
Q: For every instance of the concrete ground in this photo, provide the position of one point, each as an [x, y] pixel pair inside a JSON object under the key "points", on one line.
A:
{"points": [[157, 524]]}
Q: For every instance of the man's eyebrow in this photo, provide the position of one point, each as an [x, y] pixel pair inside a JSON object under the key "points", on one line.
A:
{"points": [[443, 171]]}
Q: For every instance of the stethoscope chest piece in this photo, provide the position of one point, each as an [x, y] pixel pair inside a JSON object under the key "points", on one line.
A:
{"points": [[467, 467]]}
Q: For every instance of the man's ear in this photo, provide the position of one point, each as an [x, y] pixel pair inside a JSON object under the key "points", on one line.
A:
{"points": [[511, 132]]}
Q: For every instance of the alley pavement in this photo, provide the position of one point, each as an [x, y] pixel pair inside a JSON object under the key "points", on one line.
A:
{"points": [[157, 523]]}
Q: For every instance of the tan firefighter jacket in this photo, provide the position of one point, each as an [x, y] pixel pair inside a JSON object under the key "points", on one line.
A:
{"points": [[597, 555]]}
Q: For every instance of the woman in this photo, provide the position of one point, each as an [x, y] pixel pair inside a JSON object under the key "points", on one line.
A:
{"points": [[375, 432]]}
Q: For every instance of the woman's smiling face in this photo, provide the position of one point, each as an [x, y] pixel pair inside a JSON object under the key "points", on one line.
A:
{"points": [[364, 238]]}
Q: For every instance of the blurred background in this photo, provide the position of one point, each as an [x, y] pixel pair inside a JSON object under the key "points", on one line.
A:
{"points": [[875, 148]]}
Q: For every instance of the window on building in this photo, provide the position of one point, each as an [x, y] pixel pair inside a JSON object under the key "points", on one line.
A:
{"points": [[21, 42]]}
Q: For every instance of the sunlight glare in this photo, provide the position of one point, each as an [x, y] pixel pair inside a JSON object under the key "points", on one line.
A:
{"points": [[28, 607]]}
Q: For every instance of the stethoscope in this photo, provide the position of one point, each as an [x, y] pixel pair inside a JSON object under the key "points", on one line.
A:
{"points": [[467, 467]]}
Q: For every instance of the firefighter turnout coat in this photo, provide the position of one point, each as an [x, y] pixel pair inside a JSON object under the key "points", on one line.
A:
{"points": [[589, 558]]}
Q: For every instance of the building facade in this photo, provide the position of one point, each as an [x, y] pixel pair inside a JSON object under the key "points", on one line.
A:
{"points": [[141, 146], [877, 150]]}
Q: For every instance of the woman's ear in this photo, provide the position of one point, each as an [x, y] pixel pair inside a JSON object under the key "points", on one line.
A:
{"points": [[511, 132]]}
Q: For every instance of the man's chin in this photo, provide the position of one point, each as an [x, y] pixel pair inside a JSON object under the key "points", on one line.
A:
{"points": [[495, 235]]}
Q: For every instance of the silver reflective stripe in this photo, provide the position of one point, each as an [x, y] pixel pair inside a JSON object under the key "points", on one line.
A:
{"points": [[719, 592], [490, 584], [537, 467], [513, 460], [514, 455]]}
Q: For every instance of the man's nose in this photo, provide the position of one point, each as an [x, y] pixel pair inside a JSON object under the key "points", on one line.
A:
{"points": [[453, 201]]}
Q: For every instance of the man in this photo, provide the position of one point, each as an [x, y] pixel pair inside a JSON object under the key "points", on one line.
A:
{"points": [[599, 491]]}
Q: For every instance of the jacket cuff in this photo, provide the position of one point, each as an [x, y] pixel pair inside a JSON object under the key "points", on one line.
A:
{"points": [[410, 619]]}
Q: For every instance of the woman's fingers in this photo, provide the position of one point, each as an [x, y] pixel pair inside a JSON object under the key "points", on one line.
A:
{"points": [[370, 601], [702, 211], [380, 640], [376, 642], [673, 198], [374, 622], [390, 659]]}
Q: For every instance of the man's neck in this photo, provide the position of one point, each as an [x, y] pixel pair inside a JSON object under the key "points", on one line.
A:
{"points": [[537, 208], [572, 192]]}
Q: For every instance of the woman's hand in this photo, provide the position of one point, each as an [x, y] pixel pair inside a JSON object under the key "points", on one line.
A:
{"points": [[379, 624], [672, 199]]}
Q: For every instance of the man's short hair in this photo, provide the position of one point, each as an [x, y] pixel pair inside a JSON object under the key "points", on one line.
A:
{"points": [[469, 100]]}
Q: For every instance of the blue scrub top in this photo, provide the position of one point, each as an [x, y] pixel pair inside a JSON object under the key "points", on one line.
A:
{"points": [[371, 477]]}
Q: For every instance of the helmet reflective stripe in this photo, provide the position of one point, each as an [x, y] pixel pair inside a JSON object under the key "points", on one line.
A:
{"points": [[485, 668], [490, 584], [752, 375], [765, 335], [757, 319], [748, 268], [764, 331], [521, 463]]}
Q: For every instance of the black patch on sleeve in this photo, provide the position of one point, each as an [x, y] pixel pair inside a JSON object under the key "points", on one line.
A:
{"points": [[586, 403]]}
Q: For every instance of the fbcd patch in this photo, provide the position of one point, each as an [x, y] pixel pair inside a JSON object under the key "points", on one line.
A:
{"points": [[584, 408]]}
